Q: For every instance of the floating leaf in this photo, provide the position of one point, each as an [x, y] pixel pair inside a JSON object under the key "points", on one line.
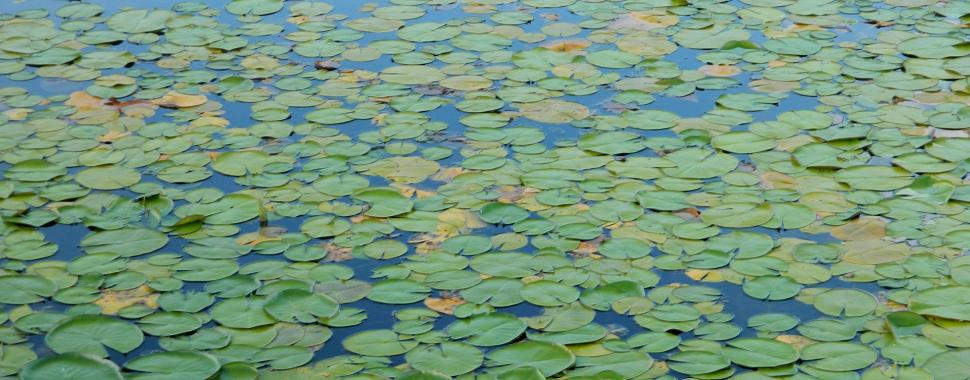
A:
{"points": [[487, 329], [255, 7], [384, 202], [19, 290], [759, 352], [697, 362], [738, 215], [449, 358], [71, 366], [503, 213], [90, 334], [404, 169], [295, 305], [242, 313], [847, 302], [378, 343], [612, 143], [699, 163], [126, 242], [108, 177], [880, 178], [412, 74], [139, 20], [838, 356], [175, 365], [771, 288], [934, 47], [174, 99], [548, 358], [398, 292], [554, 111], [949, 365], [952, 302]]}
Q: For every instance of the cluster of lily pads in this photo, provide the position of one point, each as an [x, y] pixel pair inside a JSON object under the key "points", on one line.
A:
{"points": [[534, 189]]}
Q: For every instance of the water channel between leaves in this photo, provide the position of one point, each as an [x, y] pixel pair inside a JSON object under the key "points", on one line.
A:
{"points": [[488, 189]]}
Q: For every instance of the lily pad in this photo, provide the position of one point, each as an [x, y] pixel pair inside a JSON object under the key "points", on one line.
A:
{"points": [[378, 343], [759, 352], [548, 358], [90, 334], [73, 366]]}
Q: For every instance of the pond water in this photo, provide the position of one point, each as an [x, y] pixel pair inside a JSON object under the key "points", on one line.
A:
{"points": [[489, 189]]}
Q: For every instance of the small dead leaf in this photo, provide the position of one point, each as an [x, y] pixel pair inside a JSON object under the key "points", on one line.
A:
{"points": [[874, 252], [17, 113], [693, 212], [705, 275], [207, 121], [950, 133], [82, 101], [140, 110], [590, 247], [255, 238], [111, 301], [409, 191], [174, 99], [654, 19], [645, 20], [795, 340], [531, 279], [112, 136], [337, 254], [327, 65], [454, 220], [568, 46], [444, 305], [448, 174], [550, 16], [776, 180], [720, 70], [511, 194], [865, 228], [426, 243], [478, 8]]}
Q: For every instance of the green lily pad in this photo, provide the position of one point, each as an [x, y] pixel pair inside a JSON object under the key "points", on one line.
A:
{"points": [[296, 305], [838, 356], [487, 329], [880, 178], [378, 343], [126, 242], [449, 358], [949, 302], [90, 334], [109, 177], [698, 362], [19, 290], [254, 7], [760, 353], [73, 366], [934, 47], [172, 365], [503, 213], [548, 358]]}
